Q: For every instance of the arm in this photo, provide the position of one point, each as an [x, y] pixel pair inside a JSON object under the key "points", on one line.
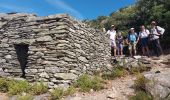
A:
{"points": [[108, 32], [137, 38]]}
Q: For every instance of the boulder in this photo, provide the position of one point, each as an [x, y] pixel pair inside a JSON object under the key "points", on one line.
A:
{"points": [[159, 84]]}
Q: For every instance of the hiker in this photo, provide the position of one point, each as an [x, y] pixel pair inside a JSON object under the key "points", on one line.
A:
{"points": [[143, 36], [156, 32], [119, 43], [132, 41], [112, 35]]}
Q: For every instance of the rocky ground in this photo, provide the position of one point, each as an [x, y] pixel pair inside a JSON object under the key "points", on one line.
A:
{"points": [[120, 88]]}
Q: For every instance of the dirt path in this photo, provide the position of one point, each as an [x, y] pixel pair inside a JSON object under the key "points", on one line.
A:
{"points": [[3, 96], [119, 89]]}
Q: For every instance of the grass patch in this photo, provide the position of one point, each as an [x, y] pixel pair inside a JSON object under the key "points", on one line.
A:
{"points": [[38, 88], [25, 97], [16, 87], [116, 72], [57, 94], [140, 82], [135, 70], [3, 85], [70, 91], [85, 83], [141, 95]]}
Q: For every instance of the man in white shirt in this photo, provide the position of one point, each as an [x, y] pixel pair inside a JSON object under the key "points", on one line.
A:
{"points": [[156, 32], [112, 35], [143, 36]]}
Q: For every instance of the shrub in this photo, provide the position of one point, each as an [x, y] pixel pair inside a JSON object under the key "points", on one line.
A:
{"points": [[142, 68], [86, 83], [16, 87], [141, 95], [38, 88], [25, 97], [70, 91], [97, 83], [3, 85], [116, 72], [135, 70], [140, 82], [57, 94]]}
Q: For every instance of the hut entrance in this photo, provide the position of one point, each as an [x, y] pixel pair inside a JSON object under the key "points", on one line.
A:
{"points": [[22, 54]]}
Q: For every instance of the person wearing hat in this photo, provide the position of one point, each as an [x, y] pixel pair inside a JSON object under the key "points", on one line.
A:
{"points": [[112, 35], [132, 41], [156, 32]]}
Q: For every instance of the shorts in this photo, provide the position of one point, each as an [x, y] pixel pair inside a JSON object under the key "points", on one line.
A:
{"points": [[119, 46], [144, 42], [132, 45], [112, 43]]}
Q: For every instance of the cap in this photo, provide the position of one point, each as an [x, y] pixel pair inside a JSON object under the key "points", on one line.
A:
{"points": [[112, 25], [153, 22], [132, 28]]}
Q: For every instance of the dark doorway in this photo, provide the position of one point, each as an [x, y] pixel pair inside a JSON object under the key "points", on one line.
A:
{"points": [[22, 54]]}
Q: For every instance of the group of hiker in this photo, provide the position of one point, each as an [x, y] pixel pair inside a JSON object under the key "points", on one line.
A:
{"points": [[147, 39]]}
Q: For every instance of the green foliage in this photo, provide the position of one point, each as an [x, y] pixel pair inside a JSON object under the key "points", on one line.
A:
{"points": [[38, 88], [57, 94], [70, 91], [14, 87], [116, 72], [141, 95], [3, 85], [140, 82], [17, 87], [25, 97], [85, 83]]}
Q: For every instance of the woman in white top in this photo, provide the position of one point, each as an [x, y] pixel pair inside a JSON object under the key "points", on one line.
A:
{"points": [[143, 35], [112, 35]]}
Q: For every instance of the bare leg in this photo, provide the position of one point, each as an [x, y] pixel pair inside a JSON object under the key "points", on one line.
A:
{"points": [[134, 49], [147, 50], [114, 51], [121, 51], [130, 52]]}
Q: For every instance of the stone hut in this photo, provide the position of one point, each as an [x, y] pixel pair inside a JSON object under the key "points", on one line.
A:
{"points": [[55, 49]]}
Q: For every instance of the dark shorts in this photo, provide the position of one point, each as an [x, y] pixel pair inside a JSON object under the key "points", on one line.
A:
{"points": [[144, 42]]}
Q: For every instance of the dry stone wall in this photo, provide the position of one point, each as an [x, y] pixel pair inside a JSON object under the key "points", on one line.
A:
{"points": [[60, 48]]}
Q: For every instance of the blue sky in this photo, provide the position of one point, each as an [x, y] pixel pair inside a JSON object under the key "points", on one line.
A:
{"points": [[81, 9]]}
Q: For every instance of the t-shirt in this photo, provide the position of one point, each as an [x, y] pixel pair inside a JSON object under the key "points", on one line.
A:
{"points": [[144, 34], [132, 37], [155, 34], [112, 34], [119, 39]]}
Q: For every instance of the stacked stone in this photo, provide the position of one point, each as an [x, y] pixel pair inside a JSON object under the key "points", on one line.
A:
{"points": [[60, 47]]}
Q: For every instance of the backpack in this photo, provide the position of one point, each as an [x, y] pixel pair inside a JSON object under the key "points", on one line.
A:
{"points": [[161, 35]]}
